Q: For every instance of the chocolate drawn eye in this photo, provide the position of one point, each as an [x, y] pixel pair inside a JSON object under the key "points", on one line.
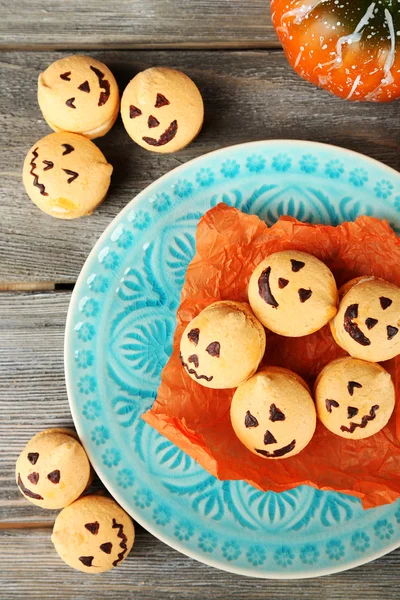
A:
{"points": [[351, 385], [304, 294], [275, 414], [70, 103], [134, 112], [93, 527], [250, 420], [214, 349], [331, 403], [66, 76], [54, 476], [193, 336], [73, 175], [161, 101], [33, 457], [391, 332], [49, 165], [297, 265], [385, 302]]}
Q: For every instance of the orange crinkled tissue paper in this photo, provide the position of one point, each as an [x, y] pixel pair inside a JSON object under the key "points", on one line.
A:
{"points": [[229, 245]]}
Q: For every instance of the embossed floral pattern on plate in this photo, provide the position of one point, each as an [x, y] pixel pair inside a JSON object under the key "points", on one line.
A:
{"points": [[119, 336]]}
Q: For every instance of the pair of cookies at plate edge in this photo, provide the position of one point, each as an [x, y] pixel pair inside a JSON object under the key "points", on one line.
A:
{"points": [[64, 173], [92, 533], [294, 294]]}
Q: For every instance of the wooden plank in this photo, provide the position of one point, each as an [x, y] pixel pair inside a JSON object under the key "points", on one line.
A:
{"points": [[33, 397], [31, 569], [31, 24], [248, 96]]}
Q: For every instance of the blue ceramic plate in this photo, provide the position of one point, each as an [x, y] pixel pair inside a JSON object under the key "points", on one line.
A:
{"points": [[118, 338]]}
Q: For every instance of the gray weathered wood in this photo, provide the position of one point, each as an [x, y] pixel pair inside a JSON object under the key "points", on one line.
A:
{"points": [[248, 96], [33, 397], [152, 24], [31, 569]]}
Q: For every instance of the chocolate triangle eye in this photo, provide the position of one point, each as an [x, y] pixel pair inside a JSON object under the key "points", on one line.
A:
{"points": [[84, 87], [86, 560], [269, 438], [275, 414], [282, 282], [66, 76], [67, 149], [250, 420], [391, 332], [214, 349], [33, 457], [54, 476], [93, 527], [351, 385], [297, 265], [193, 336], [161, 101], [304, 294], [134, 112], [385, 302], [331, 403]]}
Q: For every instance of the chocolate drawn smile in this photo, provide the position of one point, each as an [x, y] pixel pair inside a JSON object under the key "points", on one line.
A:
{"points": [[193, 372], [35, 176], [27, 491], [165, 137], [352, 328], [364, 421], [279, 452]]}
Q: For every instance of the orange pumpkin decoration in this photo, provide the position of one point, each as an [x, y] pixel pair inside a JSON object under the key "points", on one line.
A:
{"points": [[348, 47]]}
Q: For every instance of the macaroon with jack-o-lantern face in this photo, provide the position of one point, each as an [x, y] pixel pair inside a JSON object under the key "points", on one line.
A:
{"points": [[66, 175], [53, 470], [293, 293], [367, 324], [273, 413], [354, 398], [162, 109], [79, 94], [223, 345], [93, 534]]}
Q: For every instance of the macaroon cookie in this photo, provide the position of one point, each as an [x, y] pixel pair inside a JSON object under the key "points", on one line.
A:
{"points": [[223, 345], [273, 413], [66, 175], [162, 109], [367, 323], [293, 293], [355, 399], [53, 470], [93, 534], [79, 94]]}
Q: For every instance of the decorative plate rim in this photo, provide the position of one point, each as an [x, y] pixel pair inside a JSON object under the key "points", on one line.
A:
{"points": [[109, 485]]}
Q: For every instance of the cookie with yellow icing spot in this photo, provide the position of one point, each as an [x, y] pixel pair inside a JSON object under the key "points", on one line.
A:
{"points": [[93, 534], [53, 470], [66, 175]]}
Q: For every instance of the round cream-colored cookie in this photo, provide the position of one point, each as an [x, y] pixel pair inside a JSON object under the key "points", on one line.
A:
{"points": [[223, 345], [53, 470], [273, 413], [93, 534], [66, 175], [355, 399], [367, 323], [293, 293], [162, 109], [79, 94]]}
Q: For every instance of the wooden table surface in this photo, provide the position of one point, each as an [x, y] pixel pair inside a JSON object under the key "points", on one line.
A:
{"points": [[229, 48]]}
